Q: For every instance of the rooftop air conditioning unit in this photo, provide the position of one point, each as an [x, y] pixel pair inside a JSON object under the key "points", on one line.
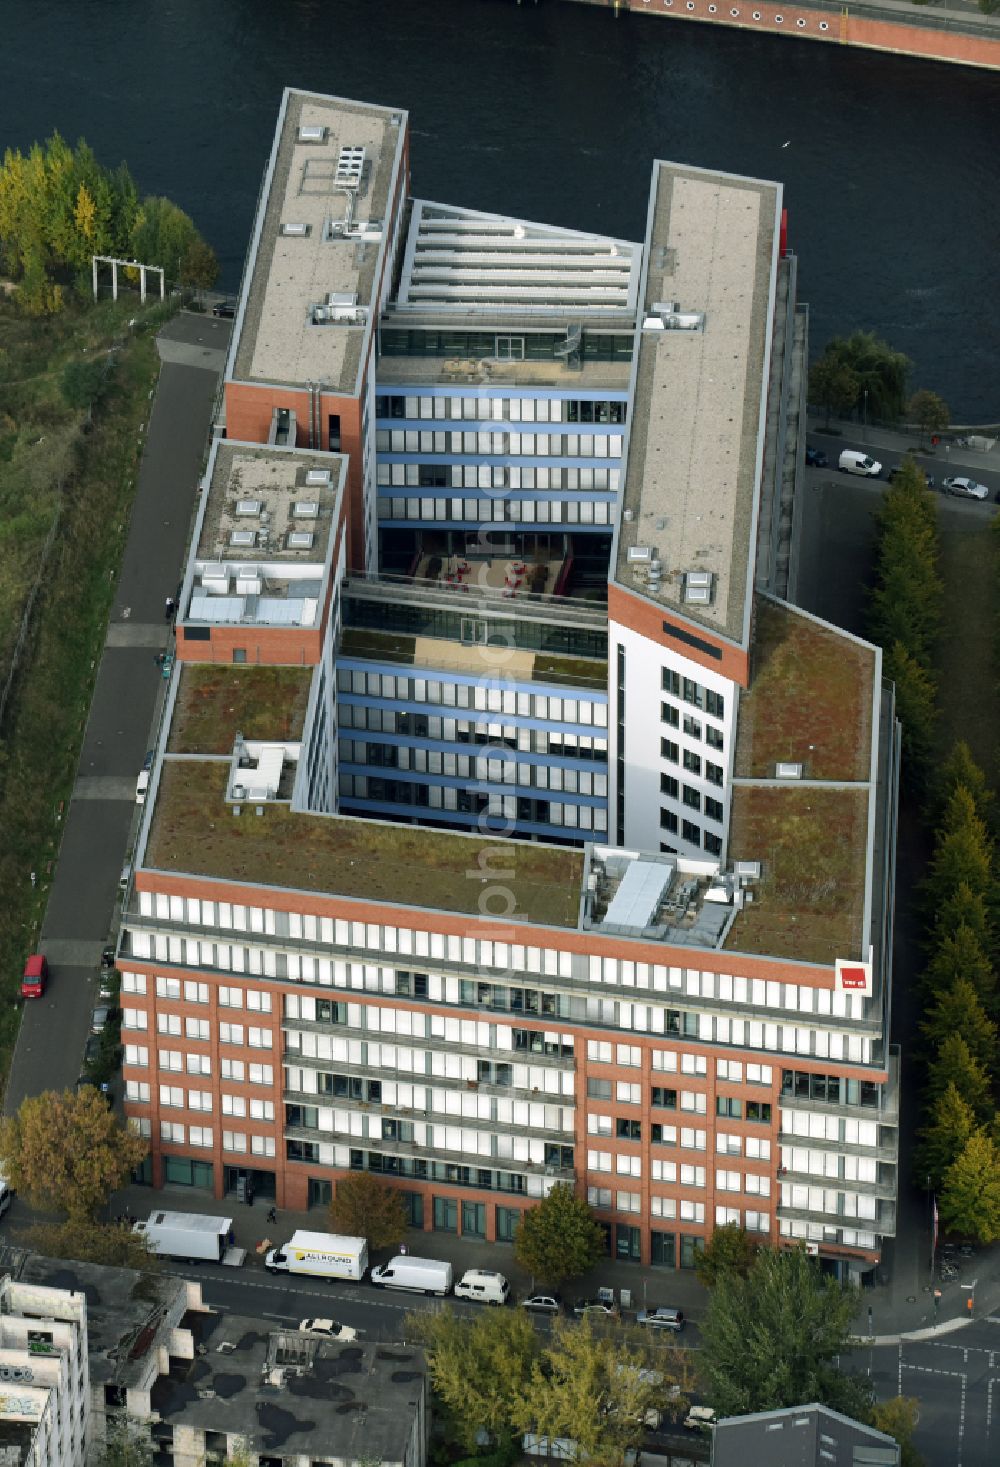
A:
{"points": [[313, 132], [298, 230], [640, 554], [628, 516], [239, 793], [788, 771], [747, 870], [350, 166]]}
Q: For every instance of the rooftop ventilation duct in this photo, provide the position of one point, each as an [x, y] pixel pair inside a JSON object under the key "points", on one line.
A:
{"points": [[788, 771], [699, 588], [313, 132], [296, 231], [668, 316]]}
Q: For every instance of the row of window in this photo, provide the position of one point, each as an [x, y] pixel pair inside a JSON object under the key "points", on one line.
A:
{"points": [[482, 733], [192, 991], [507, 442], [693, 693], [201, 1029], [483, 695], [689, 832], [505, 409], [515, 808], [691, 1101], [137, 1056], [693, 728], [692, 762], [497, 769], [496, 511], [497, 480], [689, 797]]}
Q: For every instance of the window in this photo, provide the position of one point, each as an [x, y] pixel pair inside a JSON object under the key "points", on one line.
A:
{"points": [[231, 998], [692, 1176], [599, 1196], [137, 1090], [669, 786], [199, 1064], [692, 1211], [627, 1130], [663, 1098], [133, 983], [598, 1125], [231, 1069], [692, 727], [729, 1070], [172, 1095], [714, 737], [663, 1135], [234, 1140], [728, 1144], [135, 1019], [756, 1185], [599, 1089], [261, 1075], [627, 1093], [728, 1105], [713, 808], [693, 693], [200, 1135], [664, 1059], [713, 844], [168, 988], [692, 798], [171, 1059], [726, 1215], [195, 992], [693, 1140], [258, 1002], [694, 1100], [669, 715], [234, 1105], [628, 1166], [759, 1148], [715, 704], [692, 762], [713, 772], [262, 1145], [759, 1111], [629, 1202], [200, 1100], [663, 1249], [759, 1074], [507, 1221], [629, 1054], [694, 1064], [260, 1039], [690, 1244], [599, 1050], [691, 832], [669, 750], [758, 1222], [168, 1024], [230, 1033], [727, 1182], [598, 1161], [197, 1029], [172, 1132], [668, 820], [671, 682], [137, 1055]]}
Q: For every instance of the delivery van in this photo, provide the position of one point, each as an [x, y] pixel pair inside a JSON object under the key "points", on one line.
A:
{"points": [[482, 1287], [419, 1275], [35, 977], [853, 462]]}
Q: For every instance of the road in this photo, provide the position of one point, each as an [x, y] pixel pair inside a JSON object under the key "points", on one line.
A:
{"points": [[957, 1381], [102, 817]]}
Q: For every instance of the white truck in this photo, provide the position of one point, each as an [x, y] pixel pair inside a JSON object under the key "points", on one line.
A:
{"points": [[420, 1275], [323, 1255], [189, 1235]]}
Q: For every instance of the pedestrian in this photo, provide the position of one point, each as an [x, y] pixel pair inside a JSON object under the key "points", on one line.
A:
{"points": [[169, 608], [249, 1194], [272, 1214]]}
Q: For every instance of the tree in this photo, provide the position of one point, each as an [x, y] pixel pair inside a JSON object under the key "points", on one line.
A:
{"points": [[958, 1010], [951, 1123], [960, 954], [81, 383], [960, 769], [916, 706], [964, 914], [729, 1250], [364, 1207], [881, 371], [954, 1064], [597, 1391], [127, 1443], [67, 1151], [963, 852], [898, 1419], [560, 1238], [770, 1340], [478, 1367], [111, 1243], [969, 1203], [834, 386], [199, 267], [929, 412]]}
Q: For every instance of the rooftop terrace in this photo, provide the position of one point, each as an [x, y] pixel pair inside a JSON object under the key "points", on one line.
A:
{"points": [[691, 481], [326, 197]]}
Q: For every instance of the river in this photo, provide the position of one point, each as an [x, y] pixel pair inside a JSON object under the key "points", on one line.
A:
{"points": [[555, 113]]}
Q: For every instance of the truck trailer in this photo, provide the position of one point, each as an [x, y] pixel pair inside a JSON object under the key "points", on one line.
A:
{"points": [[188, 1235], [323, 1255]]}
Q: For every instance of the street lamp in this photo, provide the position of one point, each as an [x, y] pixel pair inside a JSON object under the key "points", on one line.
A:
{"points": [[865, 409]]}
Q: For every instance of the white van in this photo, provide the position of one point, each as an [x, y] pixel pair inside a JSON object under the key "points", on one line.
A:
{"points": [[853, 462], [482, 1287], [142, 787], [420, 1275]]}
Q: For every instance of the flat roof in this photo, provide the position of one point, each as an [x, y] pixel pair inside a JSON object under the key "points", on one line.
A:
{"points": [[215, 701], [474, 264], [319, 233], [695, 441], [194, 831], [296, 1394]]}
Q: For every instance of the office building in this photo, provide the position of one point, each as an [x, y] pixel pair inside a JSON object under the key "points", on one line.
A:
{"points": [[509, 825]]}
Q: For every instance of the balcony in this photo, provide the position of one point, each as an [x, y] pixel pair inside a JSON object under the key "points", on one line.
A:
{"points": [[439, 1082], [882, 1225], [410, 1116], [885, 1187]]}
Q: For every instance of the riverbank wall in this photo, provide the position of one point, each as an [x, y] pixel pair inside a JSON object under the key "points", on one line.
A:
{"points": [[961, 35]]}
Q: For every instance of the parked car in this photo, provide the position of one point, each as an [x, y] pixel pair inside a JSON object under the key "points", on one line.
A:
{"points": [[102, 1015], [92, 1050], [329, 1327], [966, 488], [141, 786], [816, 458], [595, 1308], [700, 1418], [147, 763], [225, 309], [897, 469], [482, 1286], [543, 1303], [658, 1316], [852, 461], [35, 977]]}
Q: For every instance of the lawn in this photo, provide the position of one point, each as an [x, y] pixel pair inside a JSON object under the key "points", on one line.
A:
{"points": [[968, 668]]}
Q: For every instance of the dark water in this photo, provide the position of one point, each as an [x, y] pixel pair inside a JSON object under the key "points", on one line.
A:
{"points": [[555, 113]]}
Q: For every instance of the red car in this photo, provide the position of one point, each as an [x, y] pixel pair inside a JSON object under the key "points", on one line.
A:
{"points": [[36, 975]]}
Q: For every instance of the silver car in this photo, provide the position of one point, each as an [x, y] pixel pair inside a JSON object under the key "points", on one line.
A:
{"points": [[966, 488]]}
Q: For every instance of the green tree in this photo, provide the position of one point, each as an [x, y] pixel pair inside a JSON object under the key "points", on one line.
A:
{"points": [[969, 1203], [597, 1391], [364, 1207], [67, 1151], [964, 911], [729, 1250], [111, 1243], [961, 770], [199, 266], [916, 706], [127, 1444], [954, 1064], [958, 1010], [960, 954], [559, 1238], [951, 1122], [929, 412], [833, 386], [770, 1340], [478, 1367], [898, 1419], [962, 853], [882, 372], [81, 383]]}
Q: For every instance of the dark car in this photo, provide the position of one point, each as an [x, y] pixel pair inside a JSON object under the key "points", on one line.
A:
{"points": [[658, 1316], [543, 1303], [897, 469], [816, 458], [225, 309], [92, 1050]]}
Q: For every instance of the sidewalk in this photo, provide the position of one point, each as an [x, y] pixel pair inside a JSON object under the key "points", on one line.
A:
{"points": [[903, 1307], [952, 460]]}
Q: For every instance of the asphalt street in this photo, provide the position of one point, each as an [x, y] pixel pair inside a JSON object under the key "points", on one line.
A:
{"points": [[956, 1380], [101, 819]]}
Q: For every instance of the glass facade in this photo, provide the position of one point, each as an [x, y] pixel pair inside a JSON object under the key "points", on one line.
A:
{"points": [[458, 624]]}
